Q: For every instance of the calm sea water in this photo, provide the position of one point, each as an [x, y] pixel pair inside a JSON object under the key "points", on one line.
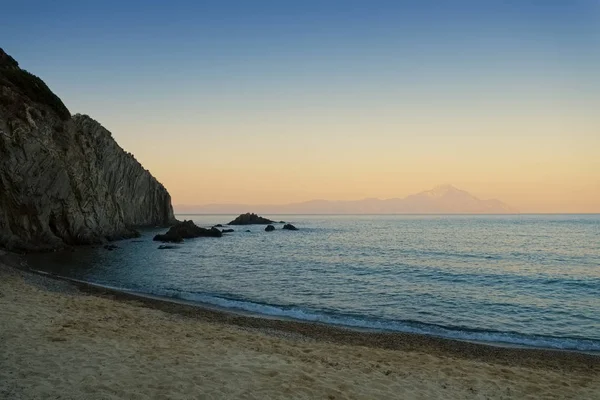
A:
{"points": [[530, 280]]}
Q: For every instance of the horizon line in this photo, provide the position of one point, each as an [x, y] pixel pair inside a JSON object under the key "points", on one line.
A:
{"points": [[503, 214]]}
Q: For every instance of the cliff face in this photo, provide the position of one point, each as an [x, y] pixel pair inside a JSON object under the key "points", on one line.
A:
{"points": [[64, 180]]}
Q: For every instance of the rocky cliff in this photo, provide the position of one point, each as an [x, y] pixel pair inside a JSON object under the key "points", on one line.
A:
{"points": [[63, 179]]}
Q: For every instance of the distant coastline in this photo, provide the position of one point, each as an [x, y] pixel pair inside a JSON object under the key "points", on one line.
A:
{"points": [[444, 199]]}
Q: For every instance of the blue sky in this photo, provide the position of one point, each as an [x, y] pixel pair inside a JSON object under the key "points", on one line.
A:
{"points": [[327, 74], [264, 45]]}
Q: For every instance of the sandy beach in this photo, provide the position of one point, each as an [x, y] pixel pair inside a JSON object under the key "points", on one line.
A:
{"points": [[61, 340]]}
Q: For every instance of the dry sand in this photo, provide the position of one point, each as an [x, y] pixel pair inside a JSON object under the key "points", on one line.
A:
{"points": [[60, 340]]}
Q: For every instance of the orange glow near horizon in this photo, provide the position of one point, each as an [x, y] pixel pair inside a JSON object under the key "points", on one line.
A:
{"points": [[292, 101], [535, 163]]}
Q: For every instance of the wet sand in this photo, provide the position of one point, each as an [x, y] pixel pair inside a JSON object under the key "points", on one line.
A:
{"points": [[66, 340]]}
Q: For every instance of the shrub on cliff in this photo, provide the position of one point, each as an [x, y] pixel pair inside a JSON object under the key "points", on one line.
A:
{"points": [[32, 87]]}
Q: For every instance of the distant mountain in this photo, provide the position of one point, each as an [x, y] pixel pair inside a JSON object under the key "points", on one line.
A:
{"points": [[444, 199]]}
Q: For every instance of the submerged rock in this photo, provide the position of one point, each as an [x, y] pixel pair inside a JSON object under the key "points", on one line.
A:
{"points": [[131, 234], [269, 228], [186, 230], [227, 230], [168, 237], [250, 219], [167, 247], [111, 247], [290, 227]]}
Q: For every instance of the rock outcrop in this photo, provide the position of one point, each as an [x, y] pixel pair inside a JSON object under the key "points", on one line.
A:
{"points": [[269, 228], [186, 230], [64, 180], [250, 219], [290, 227]]}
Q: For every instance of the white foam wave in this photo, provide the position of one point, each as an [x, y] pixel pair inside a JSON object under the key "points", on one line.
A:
{"points": [[385, 325], [508, 338]]}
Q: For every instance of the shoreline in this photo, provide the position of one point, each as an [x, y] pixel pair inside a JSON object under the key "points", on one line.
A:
{"points": [[71, 340], [404, 341], [123, 294]]}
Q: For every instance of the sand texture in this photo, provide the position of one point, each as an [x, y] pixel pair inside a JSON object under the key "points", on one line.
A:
{"points": [[58, 341]]}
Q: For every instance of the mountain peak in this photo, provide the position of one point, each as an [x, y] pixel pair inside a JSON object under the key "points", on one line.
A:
{"points": [[442, 199], [442, 190], [445, 186]]}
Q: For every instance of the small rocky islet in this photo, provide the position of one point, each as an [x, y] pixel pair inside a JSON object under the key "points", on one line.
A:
{"points": [[189, 230], [288, 227], [251, 219], [255, 219], [186, 230]]}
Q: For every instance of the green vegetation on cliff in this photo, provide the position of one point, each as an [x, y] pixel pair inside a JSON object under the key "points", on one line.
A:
{"points": [[29, 85]]}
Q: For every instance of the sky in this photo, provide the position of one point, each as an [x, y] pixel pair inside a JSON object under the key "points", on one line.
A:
{"points": [[282, 101]]}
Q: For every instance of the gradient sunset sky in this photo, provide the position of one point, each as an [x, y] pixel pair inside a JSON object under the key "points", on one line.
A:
{"points": [[284, 101]]}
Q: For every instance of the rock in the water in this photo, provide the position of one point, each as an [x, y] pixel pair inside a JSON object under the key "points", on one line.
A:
{"points": [[167, 237], [227, 230], [218, 226], [269, 228], [167, 247], [111, 247], [63, 179], [282, 222], [250, 219], [186, 230], [290, 227], [248, 230]]}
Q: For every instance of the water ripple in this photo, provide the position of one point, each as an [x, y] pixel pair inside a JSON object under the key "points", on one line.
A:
{"points": [[527, 280]]}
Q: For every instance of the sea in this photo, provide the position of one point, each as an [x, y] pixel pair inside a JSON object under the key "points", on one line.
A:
{"points": [[517, 280]]}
